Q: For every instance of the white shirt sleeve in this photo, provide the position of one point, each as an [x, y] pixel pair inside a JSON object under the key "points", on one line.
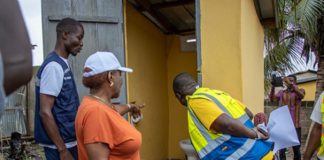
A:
{"points": [[52, 79], [316, 114]]}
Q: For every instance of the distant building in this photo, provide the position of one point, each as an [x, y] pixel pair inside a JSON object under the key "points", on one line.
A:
{"points": [[307, 80]]}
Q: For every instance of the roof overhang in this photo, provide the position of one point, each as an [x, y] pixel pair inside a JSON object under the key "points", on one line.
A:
{"points": [[306, 80], [170, 16], [266, 11], [178, 16]]}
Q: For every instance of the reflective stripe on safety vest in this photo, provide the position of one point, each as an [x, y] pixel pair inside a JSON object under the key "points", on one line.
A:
{"points": [[220, 144], [321, 149]]}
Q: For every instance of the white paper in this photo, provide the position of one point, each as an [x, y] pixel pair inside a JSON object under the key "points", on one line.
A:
{"points": [[281, 129]]}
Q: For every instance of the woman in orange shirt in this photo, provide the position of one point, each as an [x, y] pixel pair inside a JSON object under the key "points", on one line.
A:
{"points": [[102, 133]]}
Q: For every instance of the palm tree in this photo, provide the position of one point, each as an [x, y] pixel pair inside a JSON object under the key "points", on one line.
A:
{"points": [[320, 53], [299, 33]]}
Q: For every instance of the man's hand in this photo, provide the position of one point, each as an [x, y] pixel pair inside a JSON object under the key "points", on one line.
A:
{"points": [[227, 125], [295, 88], [50, 126], [66, 155], [260, 135]]}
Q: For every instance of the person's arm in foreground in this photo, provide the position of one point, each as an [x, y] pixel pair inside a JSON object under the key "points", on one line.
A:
{"points": [[228, 125], [314, 140], [15, 46], [97, 151], [46, 105]]}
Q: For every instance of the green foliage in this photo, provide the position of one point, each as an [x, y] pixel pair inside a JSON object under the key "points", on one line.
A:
{"points": [[294, 37]]}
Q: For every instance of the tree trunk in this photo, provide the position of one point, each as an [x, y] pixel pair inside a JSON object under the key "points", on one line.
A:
{"points": [[320, 52]]}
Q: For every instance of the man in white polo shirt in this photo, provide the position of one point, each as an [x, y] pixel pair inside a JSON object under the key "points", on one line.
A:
{"points": [[316, 136]]}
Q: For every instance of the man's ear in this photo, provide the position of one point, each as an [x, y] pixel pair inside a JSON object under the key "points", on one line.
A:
{"points": [[109, 76], [64, 35], [178, 95]]}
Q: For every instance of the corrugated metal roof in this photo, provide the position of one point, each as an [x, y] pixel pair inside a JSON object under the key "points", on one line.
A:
{"points": [[304, 80], [161, 1], [14, 115], [178, 16], [171, 16], [266, 10]]}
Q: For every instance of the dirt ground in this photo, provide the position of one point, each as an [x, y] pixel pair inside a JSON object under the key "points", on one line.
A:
{"points": [[35, 152], [290, 153], [32, 152]]}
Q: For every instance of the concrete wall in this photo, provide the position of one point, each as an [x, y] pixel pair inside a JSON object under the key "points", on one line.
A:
{"points": [[178, 62], [231, 45], [252, 43], [156, 59], [310, 89], [221, 45], [232, 50], [146, 54]]}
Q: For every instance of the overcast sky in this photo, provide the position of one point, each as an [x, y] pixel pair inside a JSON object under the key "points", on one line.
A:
{"points": [[31, 10]]}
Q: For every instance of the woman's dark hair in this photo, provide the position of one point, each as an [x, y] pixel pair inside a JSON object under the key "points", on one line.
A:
{"points": [[94, 82]]}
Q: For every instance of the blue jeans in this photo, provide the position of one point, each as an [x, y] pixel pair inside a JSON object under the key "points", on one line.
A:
{"points": [[53, 154]]}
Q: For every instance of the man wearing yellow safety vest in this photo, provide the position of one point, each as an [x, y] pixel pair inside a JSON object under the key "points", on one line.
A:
{"points": [[220, 126], [316, 136]]}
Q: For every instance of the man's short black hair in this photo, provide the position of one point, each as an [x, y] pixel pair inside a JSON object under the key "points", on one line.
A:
{"points": [[67, 25], [293, 76], [182, 81]]}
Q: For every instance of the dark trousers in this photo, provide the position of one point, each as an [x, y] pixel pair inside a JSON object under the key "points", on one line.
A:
{"points": [[53, 154], [296, 149]]}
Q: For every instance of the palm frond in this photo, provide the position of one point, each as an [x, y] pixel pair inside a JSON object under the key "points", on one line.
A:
{"points": [[283, 53], [307, 13], [295, 38]]}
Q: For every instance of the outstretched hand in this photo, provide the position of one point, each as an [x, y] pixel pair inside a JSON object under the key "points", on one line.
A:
{"points": [[135, 109]]}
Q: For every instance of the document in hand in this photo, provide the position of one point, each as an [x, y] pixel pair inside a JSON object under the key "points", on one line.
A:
{"points": [[281, 129]]}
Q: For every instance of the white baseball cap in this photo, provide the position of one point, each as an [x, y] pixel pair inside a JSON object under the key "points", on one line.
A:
{"points": [[100, 62]]}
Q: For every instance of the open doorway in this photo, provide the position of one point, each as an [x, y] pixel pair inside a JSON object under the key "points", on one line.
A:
{"points": [[154, 37], [160, 43]]}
